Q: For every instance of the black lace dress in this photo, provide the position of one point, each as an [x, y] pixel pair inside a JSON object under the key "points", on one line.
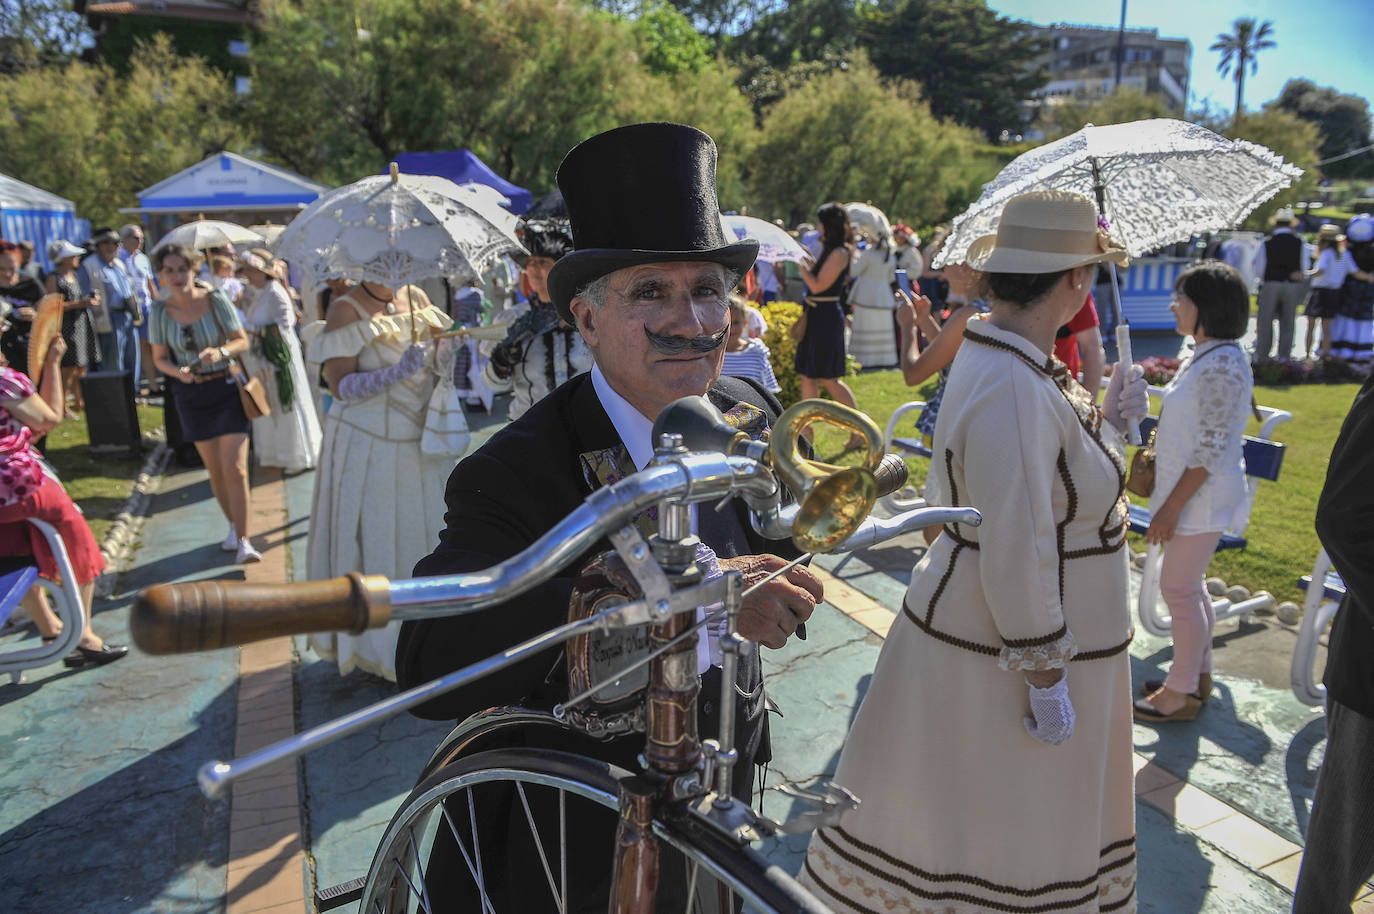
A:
{"points": [[78, 331]]}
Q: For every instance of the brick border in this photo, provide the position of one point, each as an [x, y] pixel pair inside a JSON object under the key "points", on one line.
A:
{"points": [[266, 869]]}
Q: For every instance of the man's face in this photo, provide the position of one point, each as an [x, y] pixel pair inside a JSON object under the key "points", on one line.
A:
{"points": [[537, 272], [677, 300], [107, 250], [132, 242]]}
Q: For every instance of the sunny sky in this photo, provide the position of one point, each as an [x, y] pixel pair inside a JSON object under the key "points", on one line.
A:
{"points": [[1326, 41]]}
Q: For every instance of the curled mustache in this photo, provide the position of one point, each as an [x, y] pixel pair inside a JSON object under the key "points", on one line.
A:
{"points": [[677, 345]]}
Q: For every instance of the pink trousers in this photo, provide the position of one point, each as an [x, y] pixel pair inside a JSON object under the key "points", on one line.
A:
{"points": [[1181, 583]]}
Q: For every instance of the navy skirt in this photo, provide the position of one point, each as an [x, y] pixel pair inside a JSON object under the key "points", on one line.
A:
{"points": [[209, 410], [1323, 302]]}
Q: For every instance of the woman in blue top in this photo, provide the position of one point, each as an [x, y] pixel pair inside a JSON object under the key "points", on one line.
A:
{"points": [[195, 332]]}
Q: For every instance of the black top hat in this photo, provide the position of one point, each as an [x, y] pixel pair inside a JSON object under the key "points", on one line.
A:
{"points": [[641, 194]]}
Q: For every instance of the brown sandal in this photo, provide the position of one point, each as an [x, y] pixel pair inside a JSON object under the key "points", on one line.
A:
{"points": [[1203, 693], [1147, 713]]}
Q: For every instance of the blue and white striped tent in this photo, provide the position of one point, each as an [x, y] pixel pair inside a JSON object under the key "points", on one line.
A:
{"points": [[29, 213]]}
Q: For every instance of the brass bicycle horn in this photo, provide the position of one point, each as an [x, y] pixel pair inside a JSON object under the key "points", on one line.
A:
{"points": [[832, 500]]}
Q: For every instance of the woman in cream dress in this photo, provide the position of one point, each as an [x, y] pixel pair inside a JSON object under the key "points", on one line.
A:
{"points": [[290, 437], [873, 337], [379, 499], [992, 752]]}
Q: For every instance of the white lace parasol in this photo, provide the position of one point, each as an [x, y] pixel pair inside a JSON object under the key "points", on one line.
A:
{"points": [[869, 221], [396, 229], [1160, 181], [209, 233], [775, 244]]}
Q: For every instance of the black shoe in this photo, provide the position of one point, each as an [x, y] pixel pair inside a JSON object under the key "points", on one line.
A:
{"points": [[83, 657]]}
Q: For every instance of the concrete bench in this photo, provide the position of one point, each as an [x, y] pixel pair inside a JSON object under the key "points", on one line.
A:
{"points": [[18, 575], [1318, 609], [1263, 461]]}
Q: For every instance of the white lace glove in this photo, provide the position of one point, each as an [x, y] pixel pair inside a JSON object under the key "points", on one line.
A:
{"points": [[363, 384], [1051, 719], [1127, 397]]}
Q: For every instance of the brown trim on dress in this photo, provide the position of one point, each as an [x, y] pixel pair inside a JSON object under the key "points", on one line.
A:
{"points": [[897, 880], [940, 588], [1061, 464], [1106, 651], [1036, 642], [993, 651]]}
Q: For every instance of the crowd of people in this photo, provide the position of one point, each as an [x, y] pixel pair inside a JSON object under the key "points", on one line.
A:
{"points": [[1023, 621]]}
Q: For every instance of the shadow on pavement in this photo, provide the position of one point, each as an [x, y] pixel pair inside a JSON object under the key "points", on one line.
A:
{"points": [[1301, 769], [74, 854]]}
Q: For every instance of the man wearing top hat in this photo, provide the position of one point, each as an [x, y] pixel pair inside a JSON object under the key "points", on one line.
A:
{"points": [[651, 267]]}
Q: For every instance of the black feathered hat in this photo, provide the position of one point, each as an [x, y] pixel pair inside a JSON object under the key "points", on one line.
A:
{"points": [[543, 239], [641, 194]]}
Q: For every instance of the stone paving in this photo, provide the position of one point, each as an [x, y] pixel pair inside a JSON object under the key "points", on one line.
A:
{"points": [[99, 811]]}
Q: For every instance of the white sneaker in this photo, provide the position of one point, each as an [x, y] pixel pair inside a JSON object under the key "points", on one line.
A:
{"points": [[247, 553], [231, 540]]}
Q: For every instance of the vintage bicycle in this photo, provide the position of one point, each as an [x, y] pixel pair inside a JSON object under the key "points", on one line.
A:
{"points": [[682, 840]]}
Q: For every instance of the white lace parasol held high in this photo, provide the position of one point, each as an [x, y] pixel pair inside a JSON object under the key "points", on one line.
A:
{"points": [[397, 229], [1156, 181]]}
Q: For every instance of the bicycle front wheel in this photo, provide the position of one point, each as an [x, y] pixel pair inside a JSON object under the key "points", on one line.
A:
{"points": [[528, 830]]}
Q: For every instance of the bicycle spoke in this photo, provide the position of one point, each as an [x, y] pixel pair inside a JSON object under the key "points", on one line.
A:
{"points": [[563, 845], [424, 890], [539, 845], [691, 886], [477, 853], [473, 870]]}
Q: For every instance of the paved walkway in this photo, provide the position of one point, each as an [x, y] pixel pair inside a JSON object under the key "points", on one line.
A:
{"points": [[99, 811]]}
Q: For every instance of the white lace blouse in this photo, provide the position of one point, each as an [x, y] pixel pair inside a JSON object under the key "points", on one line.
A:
{"points": [[1202, 424]]}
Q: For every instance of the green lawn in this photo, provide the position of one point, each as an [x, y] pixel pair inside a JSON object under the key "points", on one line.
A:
{"points": [[99, 485], [1282, 542]]}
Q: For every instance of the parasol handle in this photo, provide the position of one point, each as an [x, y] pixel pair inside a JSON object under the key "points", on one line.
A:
{"points": [[204, 615], [1123, 363]]}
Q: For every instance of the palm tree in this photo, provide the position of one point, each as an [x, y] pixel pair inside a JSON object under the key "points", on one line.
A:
{"points": [[1239, 48]]}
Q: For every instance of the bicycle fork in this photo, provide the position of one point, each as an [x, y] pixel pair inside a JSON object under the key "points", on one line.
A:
{"points": [[673, 754]]}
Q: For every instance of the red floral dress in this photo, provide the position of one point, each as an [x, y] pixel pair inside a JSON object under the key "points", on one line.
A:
{"points": [[20, 472]]}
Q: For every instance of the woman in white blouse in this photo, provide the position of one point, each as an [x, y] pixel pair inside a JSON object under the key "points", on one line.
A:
{"points": [[1200, 485]]}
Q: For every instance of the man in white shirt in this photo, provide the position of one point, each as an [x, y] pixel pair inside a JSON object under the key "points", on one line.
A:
{"points": [[647, 287]]}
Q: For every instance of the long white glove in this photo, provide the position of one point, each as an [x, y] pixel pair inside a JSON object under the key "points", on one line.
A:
{"points": [[363, 384], [1051, 719], [1127, 397]]}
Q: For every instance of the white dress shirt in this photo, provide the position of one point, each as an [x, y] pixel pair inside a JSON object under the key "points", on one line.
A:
{"points": [[636, 433]]}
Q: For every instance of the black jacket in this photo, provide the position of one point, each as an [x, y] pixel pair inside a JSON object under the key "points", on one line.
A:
{"points": [[501, 499], [1345, 524]]}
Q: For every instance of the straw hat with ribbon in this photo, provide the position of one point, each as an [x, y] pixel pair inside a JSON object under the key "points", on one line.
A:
{"points": [[1046, 231]]}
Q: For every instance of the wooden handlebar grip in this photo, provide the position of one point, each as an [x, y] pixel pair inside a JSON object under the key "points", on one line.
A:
{"points": [[205, 615]]}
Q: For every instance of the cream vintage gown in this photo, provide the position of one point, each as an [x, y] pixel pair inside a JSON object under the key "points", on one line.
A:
{"points": [[873, 337], [961, 810], [289, 438], [379, 500]]}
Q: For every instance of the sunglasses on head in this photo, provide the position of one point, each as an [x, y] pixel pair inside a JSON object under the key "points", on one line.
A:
{"points": [[188, 337]]}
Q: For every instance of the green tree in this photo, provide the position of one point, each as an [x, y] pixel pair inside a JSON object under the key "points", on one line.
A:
{"points": [[79, 131], [798, 31], [669, 45], [975, 67], [1124, 105], [1293, 138], [40, 33], [1239, 50], [1342, 118], [341, 87], [849, 136]]}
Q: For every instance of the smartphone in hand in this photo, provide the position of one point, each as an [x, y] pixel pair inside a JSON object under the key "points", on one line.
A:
{"points": [[903, 282]]}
